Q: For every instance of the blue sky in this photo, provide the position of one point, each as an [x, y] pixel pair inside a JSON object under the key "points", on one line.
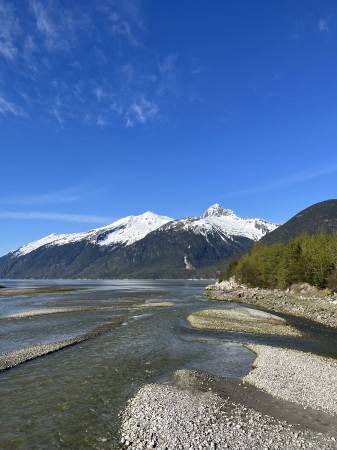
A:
{"points": [[114, 108]]}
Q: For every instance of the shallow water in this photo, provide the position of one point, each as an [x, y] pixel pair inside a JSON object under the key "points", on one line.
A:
{"points": [[72, 398]]}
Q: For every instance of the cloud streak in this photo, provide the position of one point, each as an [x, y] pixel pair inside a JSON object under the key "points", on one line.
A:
{"points": [[296, 178], [64, 196], [78, 218], [9, 31], [7, 108]]}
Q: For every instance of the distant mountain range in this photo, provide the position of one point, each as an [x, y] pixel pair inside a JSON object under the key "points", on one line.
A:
{"points": [[144, 246], [320, 216]]}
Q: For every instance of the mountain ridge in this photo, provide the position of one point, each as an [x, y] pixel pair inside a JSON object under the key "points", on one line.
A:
{"points": [[321, 215], [142, 246]]}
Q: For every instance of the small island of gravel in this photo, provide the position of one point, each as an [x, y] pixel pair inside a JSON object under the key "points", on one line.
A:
{"points": [[5, 292], [246, 320], [195, 414]]}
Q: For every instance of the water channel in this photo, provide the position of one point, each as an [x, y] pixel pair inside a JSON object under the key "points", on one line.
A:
{"points": [[72, 398]]}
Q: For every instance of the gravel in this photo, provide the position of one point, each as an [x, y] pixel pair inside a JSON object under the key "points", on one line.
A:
{"points": [[21, 355], [167, 418], [307, 302], [45, 311], [187, 417], [245, 320], [303, 378]]}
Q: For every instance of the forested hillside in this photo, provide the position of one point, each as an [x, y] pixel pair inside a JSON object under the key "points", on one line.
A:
{"points": [[306, 258]]}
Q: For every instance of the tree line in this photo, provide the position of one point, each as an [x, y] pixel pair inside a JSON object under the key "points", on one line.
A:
{"points": [[306, 258]]}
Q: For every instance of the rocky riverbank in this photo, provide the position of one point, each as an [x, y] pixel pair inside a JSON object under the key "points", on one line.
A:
{"points": [[203, 412], [288, 401], [301, 300], [303, 378]]}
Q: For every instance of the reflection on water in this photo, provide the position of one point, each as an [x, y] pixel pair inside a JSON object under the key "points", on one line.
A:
{"points": [[71, 398]]}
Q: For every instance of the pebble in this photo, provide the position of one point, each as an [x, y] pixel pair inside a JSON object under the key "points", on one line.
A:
{"points": [[210, 415], [167, 417], [303, 378]]}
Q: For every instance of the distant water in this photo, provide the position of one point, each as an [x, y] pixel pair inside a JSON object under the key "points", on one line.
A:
{"points": [[72, 398]]}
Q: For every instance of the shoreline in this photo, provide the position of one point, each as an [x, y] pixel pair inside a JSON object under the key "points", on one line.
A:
{"points": [[287, 401], [311, 305], [201, 411]]}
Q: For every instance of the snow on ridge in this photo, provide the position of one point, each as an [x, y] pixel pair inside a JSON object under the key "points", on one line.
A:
{"points": [[34, 245], [217, 211], [134, 228], [225, 222], [124, 231], [215, 220]]}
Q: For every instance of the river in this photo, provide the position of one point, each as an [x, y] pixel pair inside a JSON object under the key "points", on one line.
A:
{"points": [[72, 398]]}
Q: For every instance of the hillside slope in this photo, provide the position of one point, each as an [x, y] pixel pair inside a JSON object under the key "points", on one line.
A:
{"points": [[322, 215]]}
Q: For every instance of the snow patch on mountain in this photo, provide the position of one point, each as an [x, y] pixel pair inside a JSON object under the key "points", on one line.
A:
{"points": [[124, 231], [133, 228], [214, 221], [225, 223]]}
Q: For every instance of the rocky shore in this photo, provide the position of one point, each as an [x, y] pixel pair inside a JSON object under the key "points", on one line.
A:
{"points": [[303, 378], [288, 401], [300, 300], [200, 412]]}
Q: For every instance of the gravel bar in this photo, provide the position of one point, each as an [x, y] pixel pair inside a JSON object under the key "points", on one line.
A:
{"points": [[288, 401], [45, 311], [303, 378], [22, 355], [167, 418]]}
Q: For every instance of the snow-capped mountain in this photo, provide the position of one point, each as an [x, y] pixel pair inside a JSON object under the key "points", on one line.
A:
{"points": [[124, 231], [225, 222], [145, 246]]}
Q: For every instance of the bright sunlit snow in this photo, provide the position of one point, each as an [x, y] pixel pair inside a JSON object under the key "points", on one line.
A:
{"points": [[123, 231], [133, 228]]}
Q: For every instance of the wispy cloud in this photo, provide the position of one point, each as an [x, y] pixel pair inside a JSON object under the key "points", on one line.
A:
{"points": [[79, 218], [99, 93], [323, 25], [168, 72], [123, 28], [65, 196], [7, 107], [55, 24], [141, 111], [289, 180], [9, 30], [88, 64], [101, 122], [8, 50], [43, 22]]}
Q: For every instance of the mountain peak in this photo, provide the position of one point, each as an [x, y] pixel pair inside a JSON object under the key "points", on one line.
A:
{"points": [[217, 211]]}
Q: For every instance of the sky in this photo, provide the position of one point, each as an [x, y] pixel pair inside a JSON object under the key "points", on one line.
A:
{"points": [[113, 108]]}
